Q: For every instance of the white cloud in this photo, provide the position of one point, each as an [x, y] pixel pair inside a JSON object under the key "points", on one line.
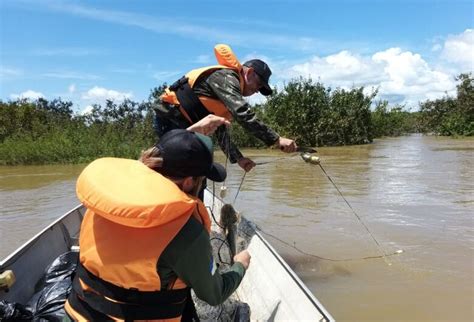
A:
{"points": [[29, 94], [6, 72], [101, 94], [86, 110], [256, 99], [174, 26], [72, 88], [411, 76], [401, 76], [344, 68], [70, 75], [459, 49]]}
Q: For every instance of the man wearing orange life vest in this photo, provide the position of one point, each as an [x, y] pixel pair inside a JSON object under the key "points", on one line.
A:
{"points": [[220, 90], [145, 236]]}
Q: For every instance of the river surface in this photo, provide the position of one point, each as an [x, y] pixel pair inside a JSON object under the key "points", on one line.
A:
{"points": [[412, 193]]}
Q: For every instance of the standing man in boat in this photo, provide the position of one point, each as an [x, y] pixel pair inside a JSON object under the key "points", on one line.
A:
{"points": [[144, 240], [220, 90]]}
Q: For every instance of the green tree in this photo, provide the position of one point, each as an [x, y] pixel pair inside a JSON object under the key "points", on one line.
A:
{"points": [[393, 121], [315, 115], [451, 115]]}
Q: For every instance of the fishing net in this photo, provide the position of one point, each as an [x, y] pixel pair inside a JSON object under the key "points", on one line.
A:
{"points": [[233, 309]]}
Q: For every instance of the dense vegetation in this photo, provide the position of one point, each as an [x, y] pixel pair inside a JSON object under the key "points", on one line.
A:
{"points": [[317, 116], [48, 132], [45, 131], [451, 115]]}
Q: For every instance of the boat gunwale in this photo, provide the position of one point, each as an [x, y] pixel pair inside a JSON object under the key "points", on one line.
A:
{"points": [[296, 279], [309, 295]]}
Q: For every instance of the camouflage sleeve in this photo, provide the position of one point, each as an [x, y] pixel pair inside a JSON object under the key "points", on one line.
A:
{"points": [[225, 85], [227, 146], [189, 256]]}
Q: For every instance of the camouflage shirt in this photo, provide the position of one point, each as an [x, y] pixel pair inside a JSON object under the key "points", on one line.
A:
{"points": [[189, 256], [224, 85]]}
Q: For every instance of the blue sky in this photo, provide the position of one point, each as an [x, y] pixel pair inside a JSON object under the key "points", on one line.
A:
{"points": [[88, 51]]}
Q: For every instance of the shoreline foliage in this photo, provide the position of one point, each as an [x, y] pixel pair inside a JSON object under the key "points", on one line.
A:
{"points": [[48, 132]]}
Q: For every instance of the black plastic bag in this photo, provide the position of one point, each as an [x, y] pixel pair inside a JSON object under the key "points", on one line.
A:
{"points": [[14, 312], [47, 304], [54, 288]]}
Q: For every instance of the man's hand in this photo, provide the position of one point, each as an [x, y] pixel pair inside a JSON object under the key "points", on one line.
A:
{"points": [[246, 164], [287, 145], [208, 124], [243, 258]]}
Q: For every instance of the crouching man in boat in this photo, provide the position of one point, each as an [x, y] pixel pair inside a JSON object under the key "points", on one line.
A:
{"points": [[144, 239], [220, 90]]}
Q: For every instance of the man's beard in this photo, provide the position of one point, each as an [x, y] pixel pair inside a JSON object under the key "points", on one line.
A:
{"points": [[197, 186]]}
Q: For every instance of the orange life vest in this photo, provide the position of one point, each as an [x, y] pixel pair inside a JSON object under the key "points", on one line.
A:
{"points": [[133, 213], [226, 59]]}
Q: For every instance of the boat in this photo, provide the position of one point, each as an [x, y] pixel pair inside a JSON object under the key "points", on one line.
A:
{"points": [[271, 289]]}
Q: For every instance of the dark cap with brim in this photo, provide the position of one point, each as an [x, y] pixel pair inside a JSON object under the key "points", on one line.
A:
{"points": [[189, 154], [264, 72]]}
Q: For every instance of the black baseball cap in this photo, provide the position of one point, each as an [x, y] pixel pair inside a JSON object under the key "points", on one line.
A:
{"points": [[262, 70], [189, 154]]}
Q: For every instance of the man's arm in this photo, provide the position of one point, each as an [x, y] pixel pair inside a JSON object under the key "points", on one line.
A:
{"points": [[228, 147], [232, 151], [189, 256], [209, 124], [225, 85]]}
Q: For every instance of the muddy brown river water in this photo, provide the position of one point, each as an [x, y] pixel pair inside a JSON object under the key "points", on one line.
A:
{"points": [[413, 193]]}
